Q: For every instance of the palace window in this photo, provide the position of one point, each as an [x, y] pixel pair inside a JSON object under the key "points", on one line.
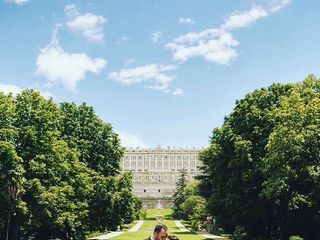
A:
{"points": [[153, 165], [166, 165], [159, 165], [133, 166], [179, 166], [192, 167], [172, 166], [126, 166], [185, 165]]}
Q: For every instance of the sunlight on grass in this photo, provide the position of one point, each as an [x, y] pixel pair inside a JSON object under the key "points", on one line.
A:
{"points": [[147, 228]]}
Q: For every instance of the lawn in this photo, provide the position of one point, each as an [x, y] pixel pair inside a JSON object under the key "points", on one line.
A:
{"points": [[152, 214], [147, 228]]}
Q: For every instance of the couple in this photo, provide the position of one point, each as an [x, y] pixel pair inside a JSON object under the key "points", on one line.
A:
{"points": [[161, 233]]}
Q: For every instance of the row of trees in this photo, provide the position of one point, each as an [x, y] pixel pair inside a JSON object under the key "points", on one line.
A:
{"points": [[59, 171], [261, 173]]}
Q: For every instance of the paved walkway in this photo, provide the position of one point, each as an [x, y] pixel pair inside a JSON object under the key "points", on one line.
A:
{"points": [[107, 236], [137, 226], [115, 234], [181, 227], [206, 235], [212, 236]]}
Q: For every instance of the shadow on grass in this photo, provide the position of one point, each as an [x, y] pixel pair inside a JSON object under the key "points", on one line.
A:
{"points": [[168, 216], [178, 233]]}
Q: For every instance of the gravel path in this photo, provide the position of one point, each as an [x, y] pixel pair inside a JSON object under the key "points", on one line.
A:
{"points": [[181, 227], [206, 235], [107, 236], [137, 226], [116, 234]]}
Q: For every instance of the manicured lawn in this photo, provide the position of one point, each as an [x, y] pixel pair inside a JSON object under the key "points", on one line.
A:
{"points": [[147, 228], [152, 214]]}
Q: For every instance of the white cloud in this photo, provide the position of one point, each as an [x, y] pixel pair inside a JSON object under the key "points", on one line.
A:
{"points": [[18, 2], [72, 11], [89, 25], [153, 75], [213, 48], [278, 4], [155, 36], [56, 65], [10, 88], [186, 20], [132, 140], [241, 20], [14, 89], [218, 45], [178, 92]]}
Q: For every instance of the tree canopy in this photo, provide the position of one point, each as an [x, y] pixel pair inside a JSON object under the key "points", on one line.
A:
{"points": [[65, 162], [261, 171]]}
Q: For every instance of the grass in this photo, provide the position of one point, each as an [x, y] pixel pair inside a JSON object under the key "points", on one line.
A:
{"points": [[147, 228], [152, 214]]}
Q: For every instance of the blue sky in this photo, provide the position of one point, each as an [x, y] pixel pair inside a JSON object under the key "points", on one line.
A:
{"points": [[162, 72]]}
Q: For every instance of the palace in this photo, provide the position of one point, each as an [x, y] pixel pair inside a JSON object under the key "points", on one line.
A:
{"points": [[156, 171]]}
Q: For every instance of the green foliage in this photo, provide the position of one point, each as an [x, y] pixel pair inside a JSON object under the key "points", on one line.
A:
{"points": [[65, 163], [261, 171], [96, 143], [240, 234], [295, 238], [179, 195], [188, 204], [194, 210]]}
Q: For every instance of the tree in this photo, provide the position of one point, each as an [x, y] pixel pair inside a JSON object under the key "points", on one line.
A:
{"points": [[65, 163], [292, 162], [259, 158], [179, 195], [57, 184], [11, 177], [98, 146], [194, 210]]}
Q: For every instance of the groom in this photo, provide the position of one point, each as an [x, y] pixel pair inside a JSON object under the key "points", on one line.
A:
{"points": [[160, 232]]}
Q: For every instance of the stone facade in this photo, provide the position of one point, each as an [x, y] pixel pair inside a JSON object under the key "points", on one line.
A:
{"points": [[156, 171]]}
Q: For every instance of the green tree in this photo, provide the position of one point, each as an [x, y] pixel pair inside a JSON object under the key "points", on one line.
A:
{"points": [[98, 146], [57, 184], [11, 175], [179, 195], [292, 162], [255, 173], [126, 205], [194, 210], [66, 164]]}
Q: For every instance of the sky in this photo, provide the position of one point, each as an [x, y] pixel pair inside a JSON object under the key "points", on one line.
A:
{"points": [[161, 72]]}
